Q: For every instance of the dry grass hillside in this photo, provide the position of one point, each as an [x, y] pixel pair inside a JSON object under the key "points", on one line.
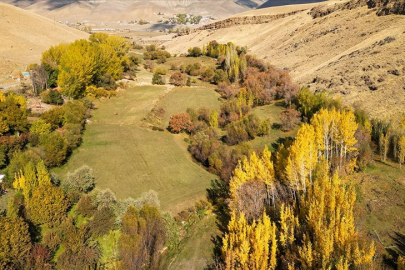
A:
{"points": [[350, 52], [110, 13], [24, 36]]}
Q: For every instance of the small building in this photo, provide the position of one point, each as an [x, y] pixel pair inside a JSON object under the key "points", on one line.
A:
{"points": [[2, 177]]}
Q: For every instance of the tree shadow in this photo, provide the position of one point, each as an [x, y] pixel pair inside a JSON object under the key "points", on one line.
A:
{"points": [[396, 250], [280, 141]]}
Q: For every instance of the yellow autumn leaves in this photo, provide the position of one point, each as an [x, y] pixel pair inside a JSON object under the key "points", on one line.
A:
{"points": [[313, 227]]}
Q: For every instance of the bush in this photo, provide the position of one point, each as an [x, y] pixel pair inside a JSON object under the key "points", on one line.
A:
{"points": [[81, 180], [208, 75], [220, 76], [289, 119], [194, 52], [225, 90], [180, 122], [52, 97], [105, 198], [178, 79], [157, 79], [193, 69]]}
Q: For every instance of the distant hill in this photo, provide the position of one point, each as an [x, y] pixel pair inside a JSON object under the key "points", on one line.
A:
{"points": [[349, 50], [24, 36], [105, 12], [277, 3]]}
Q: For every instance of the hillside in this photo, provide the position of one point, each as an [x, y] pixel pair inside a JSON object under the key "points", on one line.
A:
{"points": [[346, 49], [24, 36], [115, 14]]}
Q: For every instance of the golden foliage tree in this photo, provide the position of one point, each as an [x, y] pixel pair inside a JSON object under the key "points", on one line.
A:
{"points": [[31, 177], [251, 246], [315, 232], [15, 242]]}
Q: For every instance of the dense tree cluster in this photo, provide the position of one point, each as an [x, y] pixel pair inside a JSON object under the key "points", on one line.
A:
{"points": [[220, 153], [73, 67], [44, 227], [263, 82], [154, 53], [304, 218]]}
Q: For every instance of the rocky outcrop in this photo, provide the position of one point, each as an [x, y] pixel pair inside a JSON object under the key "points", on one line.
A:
{"points": [[245, 20], [388, 7], [383, 7]]}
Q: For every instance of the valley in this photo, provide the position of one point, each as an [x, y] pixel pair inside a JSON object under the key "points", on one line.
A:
{"points": [[269, 135]]}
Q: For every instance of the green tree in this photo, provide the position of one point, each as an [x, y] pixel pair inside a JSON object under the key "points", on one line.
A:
{"points": [[214, 119], [40, 127], [13, 114], [55, 149], [77, 68], [157, 79]]}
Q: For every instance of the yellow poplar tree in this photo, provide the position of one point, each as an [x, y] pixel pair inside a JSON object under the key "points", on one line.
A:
{"points": [[252, 246], [256, 168], [302, 159]]}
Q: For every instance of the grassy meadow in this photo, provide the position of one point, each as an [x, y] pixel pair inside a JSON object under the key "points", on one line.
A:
{"points": [[131, 159]]}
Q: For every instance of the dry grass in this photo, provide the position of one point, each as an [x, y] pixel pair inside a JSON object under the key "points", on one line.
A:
{"points": [[344, 50], [24, 36]]}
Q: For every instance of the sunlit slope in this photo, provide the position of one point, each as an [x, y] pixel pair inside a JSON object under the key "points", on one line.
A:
{"points": [[25, 35], [352, 53]]}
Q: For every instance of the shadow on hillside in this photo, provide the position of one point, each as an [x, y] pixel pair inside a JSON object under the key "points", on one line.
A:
{"points": [[160, 26], [277, 3], [247, 3], [397, 249], [53, 4]]}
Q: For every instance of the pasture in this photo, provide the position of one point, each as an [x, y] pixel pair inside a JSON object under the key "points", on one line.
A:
{"points": [[131, 159]]}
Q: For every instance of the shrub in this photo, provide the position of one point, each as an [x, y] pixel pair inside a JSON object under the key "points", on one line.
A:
{"points": [[208, 75], [52, 97], [180, 122], [289, 119], [157, 79], [193, 69], [194, 52], [81, 180], [105, 198], [220, 76], [178, 79], [54, 117], [72, 133], [225, 90]]}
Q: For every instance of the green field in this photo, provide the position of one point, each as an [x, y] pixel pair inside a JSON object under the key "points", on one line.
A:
{"points": [[272, 113], [381, 202], [131, 159]]}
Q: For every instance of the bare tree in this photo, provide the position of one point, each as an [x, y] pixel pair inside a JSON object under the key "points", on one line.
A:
{"points": [[39, 78]]}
